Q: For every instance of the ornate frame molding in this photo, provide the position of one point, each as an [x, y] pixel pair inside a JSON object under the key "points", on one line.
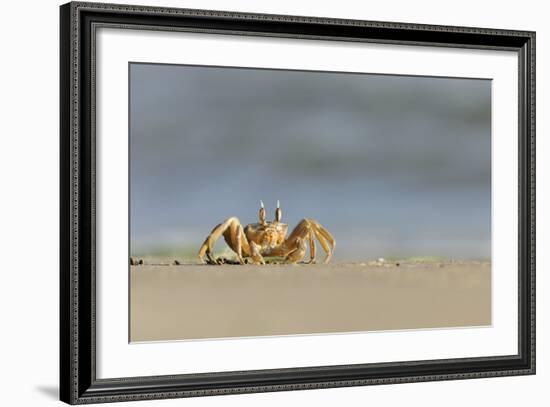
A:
{"points": [[79, 21]]}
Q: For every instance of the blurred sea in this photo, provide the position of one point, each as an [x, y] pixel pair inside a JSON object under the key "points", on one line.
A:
{"points": [[391, 165]]}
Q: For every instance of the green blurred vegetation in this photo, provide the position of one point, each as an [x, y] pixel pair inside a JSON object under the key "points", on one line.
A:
{"points": [[181, 252]]}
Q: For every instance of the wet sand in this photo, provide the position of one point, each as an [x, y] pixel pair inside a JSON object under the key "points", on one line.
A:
{"points": [[174, 302]]}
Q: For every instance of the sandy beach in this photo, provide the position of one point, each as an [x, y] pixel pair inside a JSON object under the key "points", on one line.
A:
{"points": [[175, 302]]}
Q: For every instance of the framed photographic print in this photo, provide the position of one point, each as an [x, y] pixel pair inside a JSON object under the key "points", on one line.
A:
{"points": [[255, 203]]}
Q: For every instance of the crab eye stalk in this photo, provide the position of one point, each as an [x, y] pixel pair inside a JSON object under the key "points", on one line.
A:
{"points": [[262, 213], [278, 212]]}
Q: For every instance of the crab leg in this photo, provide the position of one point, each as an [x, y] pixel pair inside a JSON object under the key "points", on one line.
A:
{"points": [[207, 247], [325, 238], [308, 229], [235, 238], [298, 252], [312, 249], [325, 246]]}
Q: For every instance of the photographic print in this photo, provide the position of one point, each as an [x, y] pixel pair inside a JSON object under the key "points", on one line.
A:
{"points": [[256, 202], [284, 202]]}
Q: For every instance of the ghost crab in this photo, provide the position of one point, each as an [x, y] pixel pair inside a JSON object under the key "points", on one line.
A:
{"points": [[265, 238]]}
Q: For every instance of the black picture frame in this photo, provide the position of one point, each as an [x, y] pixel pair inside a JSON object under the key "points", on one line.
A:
{"points": [[78, 382]]}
